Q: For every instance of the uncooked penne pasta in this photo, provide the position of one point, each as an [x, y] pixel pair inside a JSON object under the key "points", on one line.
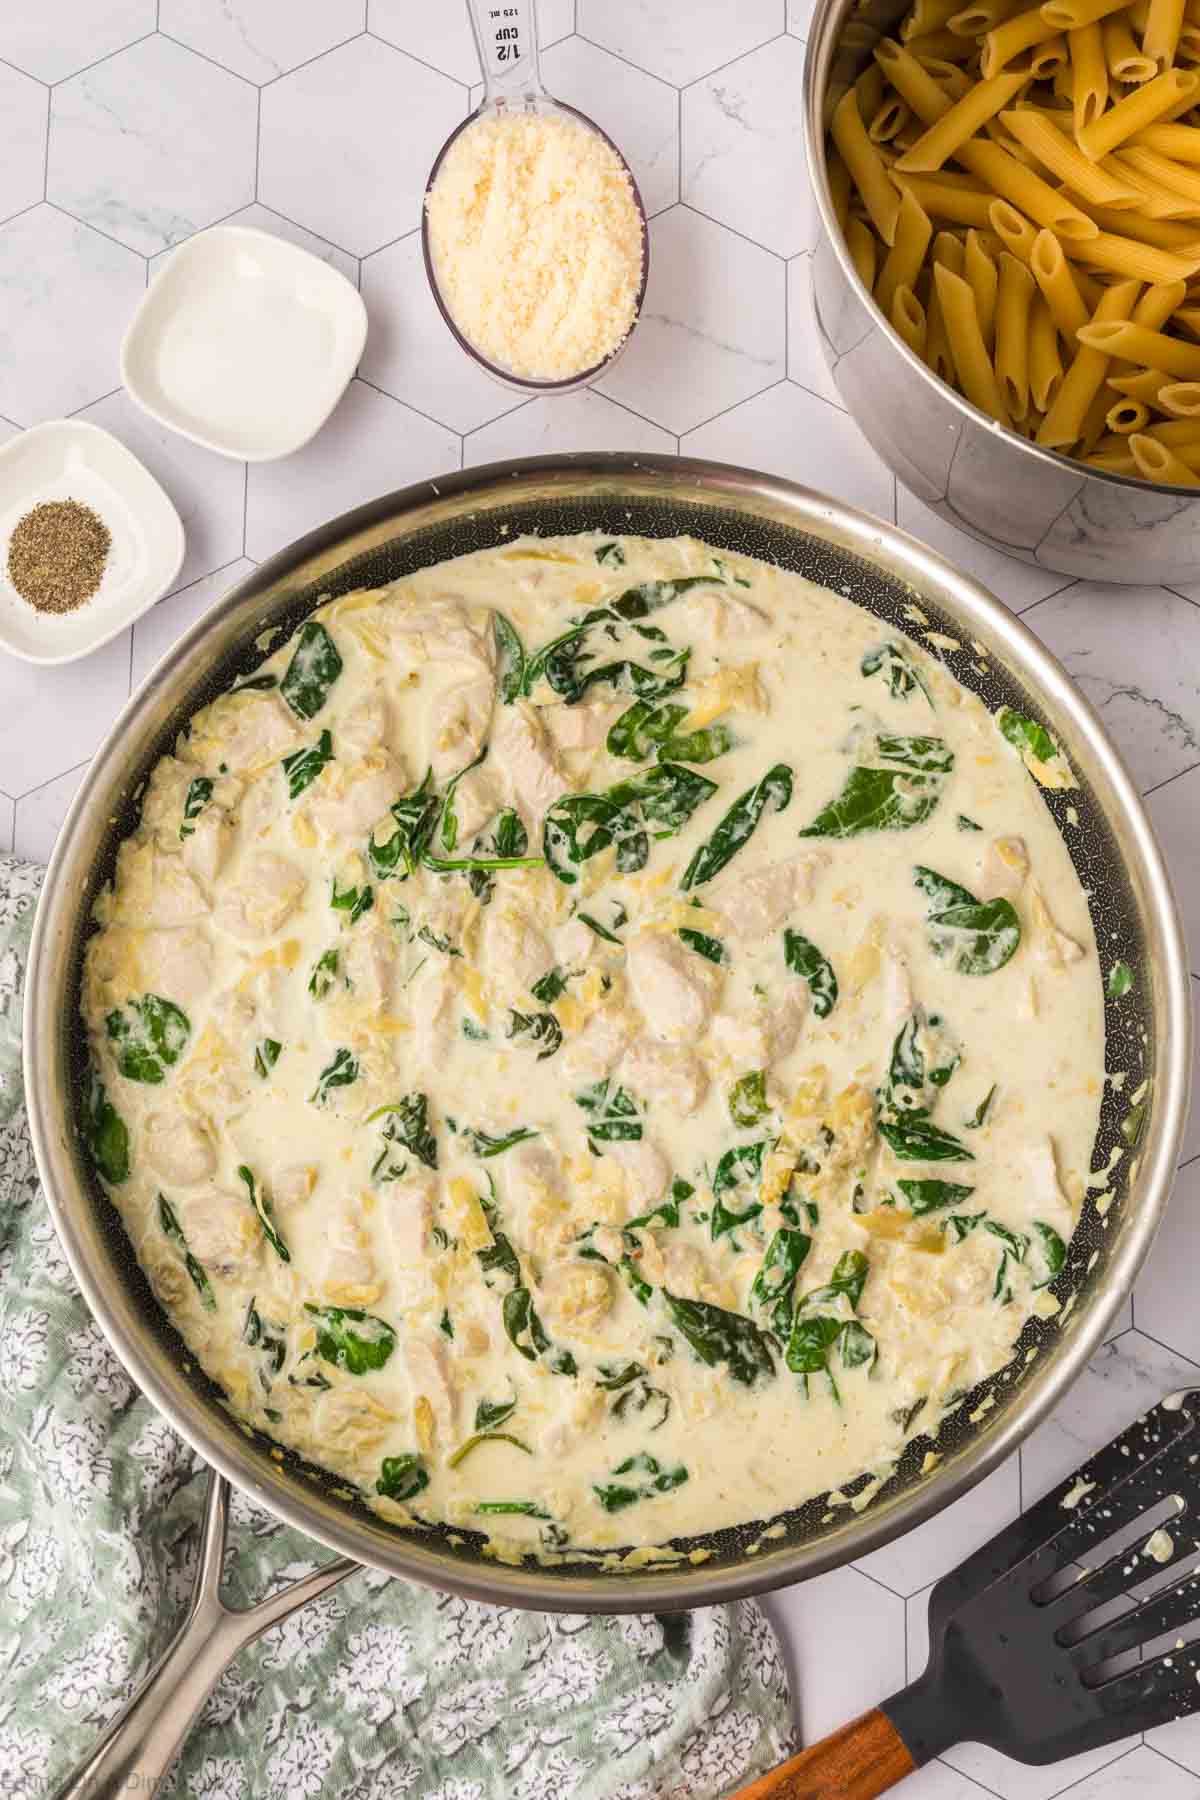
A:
{"points": [[980, 16], [1064, 422], [927, 15], [937, 343], [889, 121], [1146, 385], [1014, 297], [1138, 344], [942, 200], [1025, 190], [1165, 234], [866, 166], [1180, 142], [972, 364], [965, 118], [1045, 362], [907, 317], [1014, 230], [1127, 257], [1158, 303], [1012, 38], [1122, 53], [1136, 110], [839, 187], [905, 258], [1161, 36], [1181, 398], [942, 46], [915, 84], [1089, 89], [1056, 152], [1069, 15], [1052, 60], [863, 247], [1125, 416], [1059, 285], [1157, 463], [981, 275], [947, 249], [1154, 200], [1183, 178]]}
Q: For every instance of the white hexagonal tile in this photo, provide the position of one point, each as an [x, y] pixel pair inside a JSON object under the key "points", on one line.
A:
{"points": [[261, 218], [371, 445], [209, 491], [938, 1782], [639, 113], [846, 1635], [805, 358], [583, 421], [38, 817], [152, 145], [743, 152], [164, 624], [441, 35], [713, 324], [941, 1543], [1164, 1299], [1173, 814], [260, 39], [1135, 652], [1016, 583], [410, 352], [8, 809], [1179, 1740], [23, 114], [358, 180], [799, 17], [680, 43], [790, 432], [68, 295], [1151, 1777], [53, 719], [53, 38]]}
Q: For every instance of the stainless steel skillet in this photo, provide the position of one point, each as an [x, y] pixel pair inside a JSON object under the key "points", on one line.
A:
{"points": [[878, 568]]}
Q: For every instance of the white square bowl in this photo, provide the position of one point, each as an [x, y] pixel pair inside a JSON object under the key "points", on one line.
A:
{"points": [[69, 459], [244, 343]]}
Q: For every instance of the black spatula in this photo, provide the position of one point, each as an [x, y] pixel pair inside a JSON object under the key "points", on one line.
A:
{"points": [[1044, 1643]]}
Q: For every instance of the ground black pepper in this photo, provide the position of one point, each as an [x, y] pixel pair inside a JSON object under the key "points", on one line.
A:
{"points": [[56, 555]]}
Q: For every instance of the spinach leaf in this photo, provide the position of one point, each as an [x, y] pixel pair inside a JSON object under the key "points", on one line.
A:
{"points": [[197, 798], [620, 917], [888, 799], [774, 1286], [644, 730], [401, 1477], [260, 1200], [930, 1196], [407, 1125], [491, 1414], [485, 1145], [815, 1335], [266, 1055], [846, 1283], [914, 1137], [610, 553], [437, 941], [527, 1335], [774, 789], [964, 824], [173, 1230], [709, 947], [1047, 1254], [614, 1496], [303, 766], [415, 815], [748, 1101], [484, 1437], [1027, 736], [1016, 1245], [510, 658], [255, 684], [961, 1225], [927, 755], [1120, 980], [506, 850], [570, 663], [549, 986], [542, 1029], [528, 1509], [499, 1257], [738, 1165], [660, 800], [613, 1115], [667, 1212], [352, 1339], [353, 900], [922, 1060], [979, 1117], [803, 958], [340, 1071], [982, 937], [323, 978], [104, 1132], [314, 668], [270, 1340], [445, 1325], [150, 1034], [898, 669], [611, 1377], [717, 1336], [639, 1399]]}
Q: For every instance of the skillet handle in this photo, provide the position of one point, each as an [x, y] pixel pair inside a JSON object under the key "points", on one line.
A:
{"points": [[859, 1761], [143, 1740]]}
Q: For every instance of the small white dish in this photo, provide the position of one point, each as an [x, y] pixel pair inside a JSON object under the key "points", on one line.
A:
{"points": [[69, 459], [244, 343]]}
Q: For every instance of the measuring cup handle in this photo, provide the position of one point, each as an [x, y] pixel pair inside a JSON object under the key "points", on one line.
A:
{"points": [[506, 36]]}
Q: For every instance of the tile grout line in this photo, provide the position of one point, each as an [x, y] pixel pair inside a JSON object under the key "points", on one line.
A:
{"points": [[1160, 785], [100, 60], [733, 231]]}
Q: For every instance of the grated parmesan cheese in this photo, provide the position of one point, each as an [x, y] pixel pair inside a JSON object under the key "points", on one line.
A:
{"points": [[537, 243]]}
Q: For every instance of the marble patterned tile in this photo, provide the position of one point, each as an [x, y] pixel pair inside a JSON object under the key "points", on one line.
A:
{"points": [[23, 114], [806, 363], [639, 113], [788, 432], [1180, 1740], [359, 180], [38, 816], [939, 1782], [743, 152], [846, 1634], [371, 445], [152, 145], [799, 17], [1135, 652], [1017, 584], [81, 699], [410, 352], [55, 38], [583, 421], [165, 624], [261, 39], [68, 294], [441, 35], [8, 809], [713, 324], [1164, 1307], [209, 491], [261, 218], [679, 43], [940, 1544], [1173, 814]]}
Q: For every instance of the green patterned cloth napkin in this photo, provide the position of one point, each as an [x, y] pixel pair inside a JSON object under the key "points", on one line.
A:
{"points": [[375, 1691]]}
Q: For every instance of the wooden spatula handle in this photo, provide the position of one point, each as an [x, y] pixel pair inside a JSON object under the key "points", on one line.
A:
{"points": [[859, 1761]]}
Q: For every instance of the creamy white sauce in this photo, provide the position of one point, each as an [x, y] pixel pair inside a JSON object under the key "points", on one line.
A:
{"points": [[430, 993]]}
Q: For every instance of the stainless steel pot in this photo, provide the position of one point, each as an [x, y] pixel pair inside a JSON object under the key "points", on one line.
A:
{"points": [[880, 569], [1033, 503]]}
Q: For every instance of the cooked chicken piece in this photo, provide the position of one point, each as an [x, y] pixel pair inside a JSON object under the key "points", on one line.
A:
{"points": [[351, 1275], [440, 631], [351, 798], [514, 952], [764, 1033], [522, 757], [666, 1073], [897, 987], [599, 1046], [363, 727], [476, 800], [206, 848], [429, 996], [532, 1172], [409, 1212], [575, 1296], [223, 1232], [292, 1185], [266, 893], [785, 1021], [245, 732], [1005, 866], [429, 1379], [686, 1272], [1053, 946], [1044, 1190], [574, 943], [756, 905], [673, 987], [369, 961], [583, 727], [177, 964], [352, 1419], [713, 612], [459, 722], [155, 889], [646, 1169], [178, 1148]]}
